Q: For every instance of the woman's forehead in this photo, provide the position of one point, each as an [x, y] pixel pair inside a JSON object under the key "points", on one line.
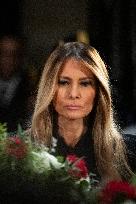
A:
{"points": [[73, 66]]}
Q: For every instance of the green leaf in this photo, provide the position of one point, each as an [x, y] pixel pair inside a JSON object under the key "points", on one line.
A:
{"points": [[133, 180], [3, 131], [60, 159], [20, 131]]}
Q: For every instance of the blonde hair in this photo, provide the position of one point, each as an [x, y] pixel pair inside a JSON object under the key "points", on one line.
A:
{"points": [[109, 147]]}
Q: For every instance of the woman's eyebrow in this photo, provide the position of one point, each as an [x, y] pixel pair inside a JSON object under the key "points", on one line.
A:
{"points": [[87, 78], [64, 77]]}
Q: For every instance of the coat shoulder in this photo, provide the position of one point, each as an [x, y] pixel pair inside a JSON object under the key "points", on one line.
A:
{"points": [[130, 141]]}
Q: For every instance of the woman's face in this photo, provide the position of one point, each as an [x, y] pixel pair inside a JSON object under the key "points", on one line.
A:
{"points": [[75, 92]]}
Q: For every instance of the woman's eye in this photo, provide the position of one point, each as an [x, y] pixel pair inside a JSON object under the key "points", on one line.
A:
{"points": [[63, 82], [86, 83]]}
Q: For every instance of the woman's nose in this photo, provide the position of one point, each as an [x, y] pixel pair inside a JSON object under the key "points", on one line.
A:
{"points": [[74, 92]]}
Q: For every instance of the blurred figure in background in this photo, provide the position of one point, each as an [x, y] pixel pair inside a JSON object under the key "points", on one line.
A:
{"points": [[14, 84]]}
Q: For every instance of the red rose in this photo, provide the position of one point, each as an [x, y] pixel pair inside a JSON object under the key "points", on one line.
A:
{"points": [[15, 140], [16, 147], [77, 166], [114, 188]]}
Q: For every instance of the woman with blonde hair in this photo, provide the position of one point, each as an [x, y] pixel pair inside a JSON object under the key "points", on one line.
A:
{"points": [[74, 106]]}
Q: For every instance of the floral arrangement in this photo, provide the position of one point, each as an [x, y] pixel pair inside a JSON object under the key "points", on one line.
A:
{"points": [[118, 192], [29, 173]]}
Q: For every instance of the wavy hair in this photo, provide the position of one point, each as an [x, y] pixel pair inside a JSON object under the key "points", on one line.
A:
{"points": [[109, 147]]}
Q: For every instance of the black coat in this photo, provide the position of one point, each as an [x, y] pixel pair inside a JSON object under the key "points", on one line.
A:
{"points": [[84, 148], [15, 113], [130, 141]]}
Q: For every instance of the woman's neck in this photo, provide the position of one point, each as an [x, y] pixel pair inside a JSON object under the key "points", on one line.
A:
{"points": [[70, 130]]}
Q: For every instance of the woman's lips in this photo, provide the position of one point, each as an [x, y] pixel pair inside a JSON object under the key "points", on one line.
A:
{"points": [[73, 107]]}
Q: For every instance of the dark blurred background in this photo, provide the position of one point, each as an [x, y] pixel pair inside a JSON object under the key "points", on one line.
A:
{"points": [[108, 25]]}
